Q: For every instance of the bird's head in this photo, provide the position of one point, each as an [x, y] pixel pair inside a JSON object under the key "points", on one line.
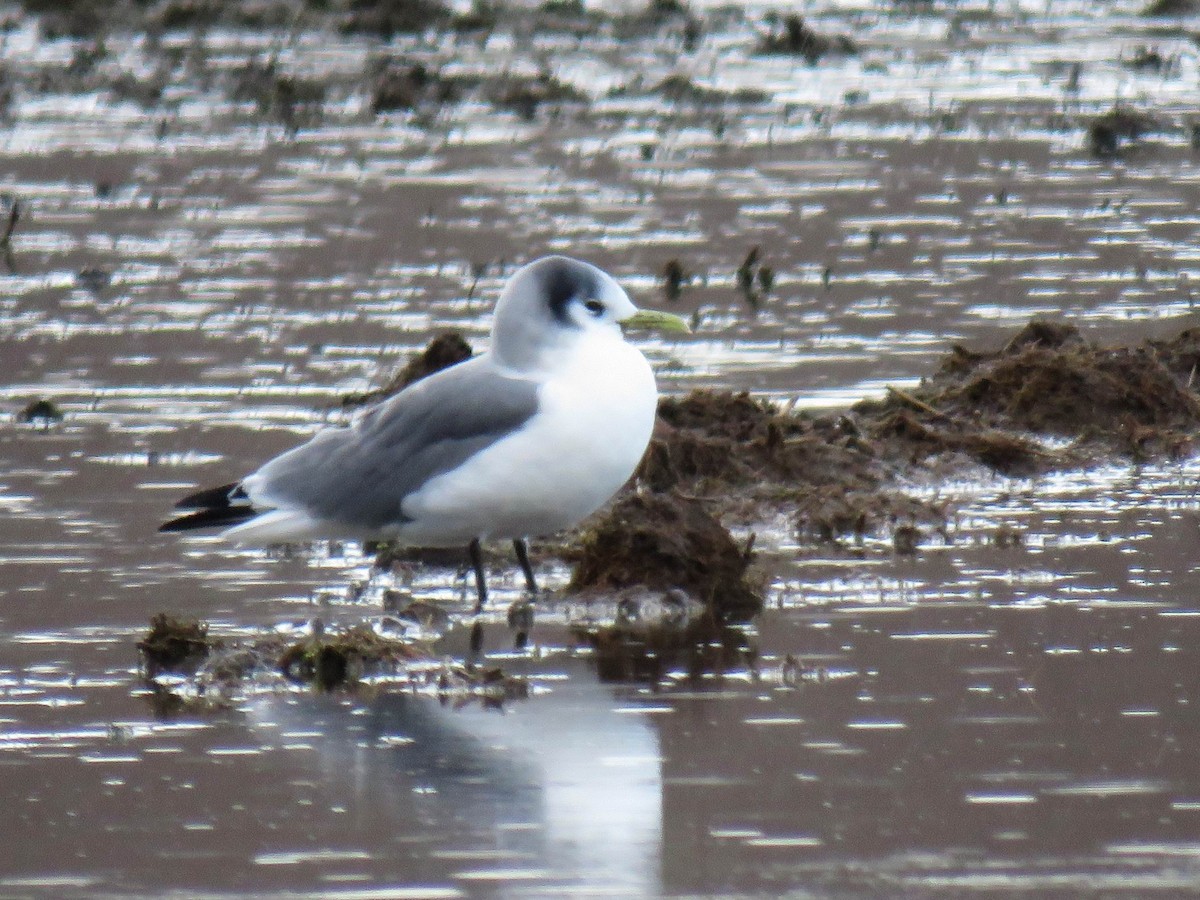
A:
{"points": [[555, 300]]}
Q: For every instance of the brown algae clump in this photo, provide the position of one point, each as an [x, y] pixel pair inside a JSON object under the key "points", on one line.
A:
{"points": [[398, 86], [1171, 8], [695, 437], [215, 671], [1068, 392], [740, 453], [792, 36], [707, 435], [175, 645], [666, 543], [525, 95], [1120, 125], [1049, 380], [902, 437], [333, 660], [711, 441], [41, 413], [445, 350], [837, 474], [736, 416]]}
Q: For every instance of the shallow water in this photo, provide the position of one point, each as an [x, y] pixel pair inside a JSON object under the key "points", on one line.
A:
{"points": [[975, 718]]}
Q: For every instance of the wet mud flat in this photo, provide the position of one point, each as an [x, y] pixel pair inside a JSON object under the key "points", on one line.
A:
{"points": [[972, 669]]}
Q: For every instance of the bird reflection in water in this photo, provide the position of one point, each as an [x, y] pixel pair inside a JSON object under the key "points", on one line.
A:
{"points": [[566, 787]]}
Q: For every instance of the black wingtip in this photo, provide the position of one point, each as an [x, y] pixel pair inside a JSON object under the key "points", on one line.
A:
{"points": [[210, 518], [214, 498]]}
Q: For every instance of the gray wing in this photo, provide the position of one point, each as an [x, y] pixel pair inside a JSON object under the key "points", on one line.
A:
{"points": [[360, 475]]}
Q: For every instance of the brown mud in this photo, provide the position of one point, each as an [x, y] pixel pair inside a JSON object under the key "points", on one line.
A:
{"points": [[841, 474], [666, 543]]}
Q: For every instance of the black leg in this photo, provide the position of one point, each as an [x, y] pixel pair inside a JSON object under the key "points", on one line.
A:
{"points": [[520, 616], [475, 655], [476, 553], [522, 549]]}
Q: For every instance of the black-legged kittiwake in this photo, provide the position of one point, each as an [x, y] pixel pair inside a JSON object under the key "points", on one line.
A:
{"points": [[526, 439]]}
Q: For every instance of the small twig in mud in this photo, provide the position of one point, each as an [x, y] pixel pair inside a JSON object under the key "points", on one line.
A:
{"points": [[674, 277], [747, 272], [748, 550], [14, 216], [478, 270], [286, 39], [913, 401]]}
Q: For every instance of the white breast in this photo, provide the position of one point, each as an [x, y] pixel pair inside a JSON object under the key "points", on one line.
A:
{"points": [[595, 416]]}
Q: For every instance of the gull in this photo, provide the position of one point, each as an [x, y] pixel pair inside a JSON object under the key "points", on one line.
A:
{"points": [[526, 439]]}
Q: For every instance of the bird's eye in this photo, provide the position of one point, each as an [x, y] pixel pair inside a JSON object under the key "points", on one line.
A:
{"points": [[595, 307]]}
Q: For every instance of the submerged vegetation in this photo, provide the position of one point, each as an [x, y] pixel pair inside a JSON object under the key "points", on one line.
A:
{"points": [[213, 669]]}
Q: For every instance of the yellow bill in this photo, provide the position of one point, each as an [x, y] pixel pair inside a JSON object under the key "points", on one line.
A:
{"points": [[655, 320]]}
